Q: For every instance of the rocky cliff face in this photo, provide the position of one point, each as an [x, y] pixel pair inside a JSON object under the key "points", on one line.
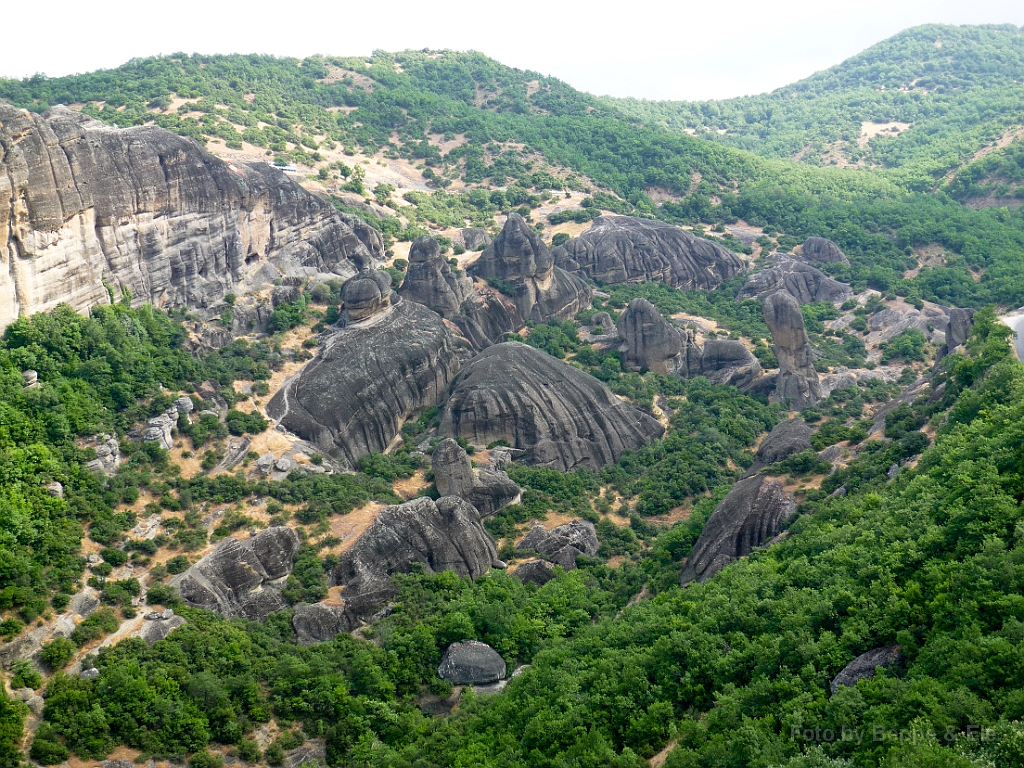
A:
{"points": [[520, 258], [368, 378], [559, 415], [624, 249], [751, 514], [142, 209], [798, 381]]}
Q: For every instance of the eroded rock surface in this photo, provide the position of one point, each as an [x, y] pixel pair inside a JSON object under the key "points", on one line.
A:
{"points": [[958, 328], [365, 295], [430, 280], [865, 666], [242, 578], [625, 249], [562, 417], [797, 382], [562, 544], [144, 209], [803, 282], [475, 238], [751, 514], [822, 251], [521, 259], [537, 572], [367, 379], [471, 663], [445, 535], [486, 489], [788, 437], [319, 623]]}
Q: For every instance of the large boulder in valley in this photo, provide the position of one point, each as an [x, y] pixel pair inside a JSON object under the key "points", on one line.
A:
{"points": [[803, 282], [486, 489], [367, 379], [521, 260], [821, 251], [649, 341], [865, 666], [788, 437], [242, 578], [797, 382], [560, 416], [751, 514], [430, 280], [475, 238], [152, 212], [562, 544], [445, 535], [471, 663], [625, 249], [318, 623]]}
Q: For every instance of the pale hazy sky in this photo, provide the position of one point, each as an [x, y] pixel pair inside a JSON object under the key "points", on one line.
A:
{"points": [[663, 50]]}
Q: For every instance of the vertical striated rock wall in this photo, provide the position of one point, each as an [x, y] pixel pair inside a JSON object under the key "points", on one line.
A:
{"points": [[83, 204]]}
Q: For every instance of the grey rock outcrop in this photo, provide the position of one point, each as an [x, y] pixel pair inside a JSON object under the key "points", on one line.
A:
{"points": [[108, 456], [318, 623], [430, 280], [520, 258], [625, 249], [471, 663], [475, 238], [242, 578], [160, 428], [822, 251], [487, 317], [603, 324], [797, 382], [444, 536], [365, 295], [890, 322], [788, 437], [367, 379], [486, 489], [563, 544], [865, 666], [560, 416], [144, 209], [650, 341], [958, 329], [537, 572], [155, 631], [751, 514], [803, 282]]}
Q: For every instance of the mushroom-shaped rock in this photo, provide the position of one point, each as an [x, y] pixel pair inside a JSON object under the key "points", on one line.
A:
{"points": [[563, 544], [562, 417], [801, 281], [751, 514], [788, 437], [648, 339], [318, 623], [625, 249], [242, 578], [486, 489], [797, 381], [365, 295], [430, 281], [822, 251], [471, 663], [445, 535], [865, 666], [542, 291], [475, 238], [367, 379]]}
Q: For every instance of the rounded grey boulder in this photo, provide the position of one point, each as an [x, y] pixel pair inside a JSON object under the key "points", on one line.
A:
{"points": [[562, 417], [648, 339], [486, 489], [803, 282], [471, 663], [366, 294], [563, 544], [823, 251], [865, 666], [787, 438], [430, 280]]}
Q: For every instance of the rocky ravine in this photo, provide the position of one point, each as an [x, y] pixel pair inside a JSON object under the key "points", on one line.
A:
{"points": [[145, 210]]}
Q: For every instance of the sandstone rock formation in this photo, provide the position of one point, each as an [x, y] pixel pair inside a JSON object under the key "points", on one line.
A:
{"points": [[521, 259], [430, 281], [822, 251], [803, 282], [563, 544], [798, 381], [486, 489], [559, 415], [650, 341], [788, 437], [108, 456], [367, 379], [442, 535], [624, 249], [471, 663], [149, 211], [865, 666], [751, 514], [931, 320], [242, 578], [319, 623]]}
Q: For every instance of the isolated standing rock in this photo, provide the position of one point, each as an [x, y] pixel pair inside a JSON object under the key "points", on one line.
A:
{"points": [[958, 328], [475, 238], [797, 383], [787, 437], [471, 663], [822, 251], [365, 295], [563, 544], [649, 341], [751, 514], [318, 623]]}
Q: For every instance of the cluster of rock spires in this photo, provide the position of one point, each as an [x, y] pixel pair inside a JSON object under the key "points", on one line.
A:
{"points": [[152, 212]]}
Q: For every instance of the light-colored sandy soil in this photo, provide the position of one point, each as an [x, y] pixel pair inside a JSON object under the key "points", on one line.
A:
{"points": [[869, 130]]}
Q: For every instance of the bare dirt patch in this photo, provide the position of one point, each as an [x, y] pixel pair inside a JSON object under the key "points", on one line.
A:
{"points": [[869, 131]]}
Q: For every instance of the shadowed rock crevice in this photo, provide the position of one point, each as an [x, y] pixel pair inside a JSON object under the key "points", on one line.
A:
{"points": [[560, 416]]}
